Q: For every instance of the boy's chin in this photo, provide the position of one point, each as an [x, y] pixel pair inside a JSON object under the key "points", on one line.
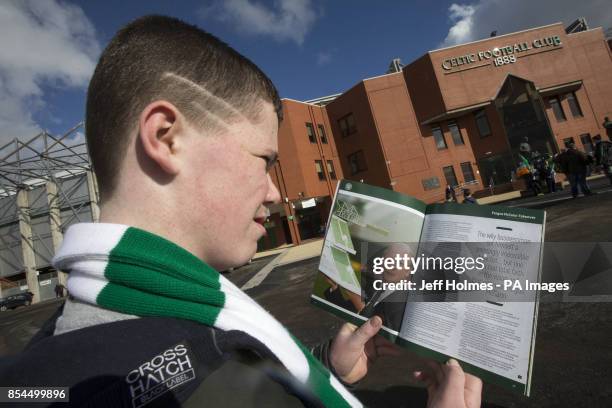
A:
{"points": [[238, 258]]}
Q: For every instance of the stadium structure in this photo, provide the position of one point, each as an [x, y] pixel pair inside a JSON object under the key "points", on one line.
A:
{"points": [[46, 184]]}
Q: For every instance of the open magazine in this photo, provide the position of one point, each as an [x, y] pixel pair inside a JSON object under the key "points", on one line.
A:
{"points": [[375, 261]]}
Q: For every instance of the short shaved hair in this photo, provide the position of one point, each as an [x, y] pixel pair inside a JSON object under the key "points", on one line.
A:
{"points": [[163, 58]]}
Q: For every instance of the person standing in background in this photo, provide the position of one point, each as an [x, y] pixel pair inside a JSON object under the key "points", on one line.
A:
{"points": [[603, 156], [575, 164]]}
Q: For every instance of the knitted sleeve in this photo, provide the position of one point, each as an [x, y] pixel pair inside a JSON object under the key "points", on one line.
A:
{"points": [[322, 352]]}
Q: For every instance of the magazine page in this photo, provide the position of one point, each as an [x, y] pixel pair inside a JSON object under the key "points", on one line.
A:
{"points": [[376, 219], [493, 337]]}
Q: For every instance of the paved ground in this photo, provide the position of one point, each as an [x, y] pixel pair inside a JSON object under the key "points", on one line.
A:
{"points": [[600, 185], [19, 325], [573, 358]]}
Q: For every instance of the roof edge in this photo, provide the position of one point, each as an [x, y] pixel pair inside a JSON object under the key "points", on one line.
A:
{"points": [[498, 36]]}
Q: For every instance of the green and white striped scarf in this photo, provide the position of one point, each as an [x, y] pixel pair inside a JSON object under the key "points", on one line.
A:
{"points": [[135, 272]]}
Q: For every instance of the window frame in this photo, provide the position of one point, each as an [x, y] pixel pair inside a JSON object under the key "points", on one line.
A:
{"points": [[331, 170], [320, 173], [591, 148], [454, 175], [352, 125], [557, 108], [310, 132], [346, 128], [453, 124], [357, 155], [473, 176], [572, 101], [478, 116], [322, 134], [441, 139]]}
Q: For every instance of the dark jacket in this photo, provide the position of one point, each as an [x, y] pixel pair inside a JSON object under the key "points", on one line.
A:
{"points": [[155, 362], [573, 162]]}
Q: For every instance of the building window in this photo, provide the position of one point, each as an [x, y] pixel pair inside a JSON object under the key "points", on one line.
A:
{"points": [[430, 183], [482, 123], [330, 170], [574, 105], [322, 134], [568, 140], [350, 120], [357, 162], [347, 125], [587, 142], [439, 138], [449, 175], [468, 173], [319, 168], [311, 133], [456, 133], [555, 104]]}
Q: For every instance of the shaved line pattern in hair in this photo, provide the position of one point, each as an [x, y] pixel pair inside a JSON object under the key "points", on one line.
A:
{"points": [[210, 98]]}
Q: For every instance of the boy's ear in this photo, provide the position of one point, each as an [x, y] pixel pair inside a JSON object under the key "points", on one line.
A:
{"points": [[158, 133]]}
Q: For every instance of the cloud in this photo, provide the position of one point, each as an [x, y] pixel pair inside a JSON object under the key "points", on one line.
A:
{"points": [[77, 137], [475, 21], [323, 58], [287, 20], [462, 17], [44, 44]]}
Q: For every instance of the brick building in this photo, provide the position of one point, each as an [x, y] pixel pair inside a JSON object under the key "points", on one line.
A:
{"points": [[453, 116], [306, 174]]}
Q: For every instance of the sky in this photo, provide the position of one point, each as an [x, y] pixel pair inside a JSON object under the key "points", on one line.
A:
{"points": [[49, 48]]}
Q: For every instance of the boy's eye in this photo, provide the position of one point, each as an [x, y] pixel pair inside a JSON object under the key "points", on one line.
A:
{"points": [[270, 162]]}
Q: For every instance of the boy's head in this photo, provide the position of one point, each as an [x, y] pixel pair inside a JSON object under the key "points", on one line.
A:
{"points": [[157, 57], [182, 131]]}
